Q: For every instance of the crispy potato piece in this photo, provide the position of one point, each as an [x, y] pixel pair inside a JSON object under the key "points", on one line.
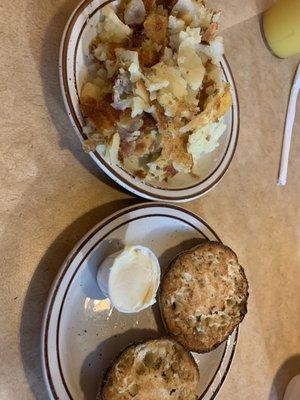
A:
{"points": [[159, 116], [190, 64], [91, 91], [184, 107], [100, 112], [141, 144], [164, 78], [210, 32], [203, 93], [215, 107], [219, 104], [148, 55], [111, 28], [144, 144], [175, 149], [187, 17], [205, 139], [140, 174], [141, 147], [156, 28]]}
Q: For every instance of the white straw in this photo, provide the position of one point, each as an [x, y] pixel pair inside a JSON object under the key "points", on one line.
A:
{"points": [[289, 123]]}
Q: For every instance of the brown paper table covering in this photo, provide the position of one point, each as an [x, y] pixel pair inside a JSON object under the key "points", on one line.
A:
{"points": [[51, 194]]}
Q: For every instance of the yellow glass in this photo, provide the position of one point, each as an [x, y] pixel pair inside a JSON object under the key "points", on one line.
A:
{"points": [[281, 25]]}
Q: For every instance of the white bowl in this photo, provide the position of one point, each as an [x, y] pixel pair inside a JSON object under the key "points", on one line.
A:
{"points": [[79, 32]]}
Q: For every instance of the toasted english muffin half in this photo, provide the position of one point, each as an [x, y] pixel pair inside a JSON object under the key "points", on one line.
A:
{"points": [[159, 369], [203, 296]]}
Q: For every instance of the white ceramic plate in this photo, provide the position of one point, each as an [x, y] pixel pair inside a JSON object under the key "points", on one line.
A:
{"points": [[79, 32], [82, 334]]}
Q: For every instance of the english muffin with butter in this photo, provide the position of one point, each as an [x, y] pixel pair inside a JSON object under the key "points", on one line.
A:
{"points": [[203, 296], [158, 369]]}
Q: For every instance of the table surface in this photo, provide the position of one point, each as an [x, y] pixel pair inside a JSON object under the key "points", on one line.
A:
{"points": [[52, 193]]}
